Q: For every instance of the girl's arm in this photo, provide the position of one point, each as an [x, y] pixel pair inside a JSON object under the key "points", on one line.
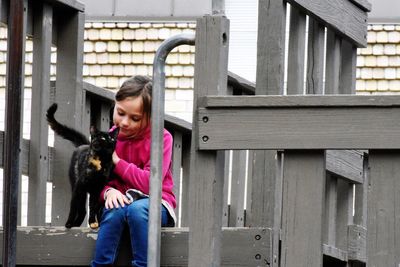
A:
{"points": [[135, 177]]}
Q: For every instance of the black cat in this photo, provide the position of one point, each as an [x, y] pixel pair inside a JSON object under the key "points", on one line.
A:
{"points": [[90, 167]]}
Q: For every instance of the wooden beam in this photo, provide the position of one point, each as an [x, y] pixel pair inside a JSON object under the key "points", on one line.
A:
{"points": [[58, 246], [287, 122]]}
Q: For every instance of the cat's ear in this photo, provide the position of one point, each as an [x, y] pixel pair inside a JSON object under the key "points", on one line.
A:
{"points": [[93, 130], [114, 133]]}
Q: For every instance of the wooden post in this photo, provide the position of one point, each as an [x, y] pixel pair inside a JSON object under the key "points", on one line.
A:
{"points": [[266, 187], [383, 248], [38, 151], [206, 186], [70, 103], [302, 212]]}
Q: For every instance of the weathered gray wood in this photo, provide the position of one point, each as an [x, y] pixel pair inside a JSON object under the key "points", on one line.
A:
{"points": [[73, 4], [335, 252], [315, 57], [383, 224], [361, 193], [363, 4], [357, 243], [269, 80], [333, 51], [225, 206], [206, 185], [296, 53], [270, 47], [347, 101], [348, 19], [347, 83], [236, 214], [344, 215], [329, 236], [302, 215], [69, 98], [348, 164], [56, 246], [38, 151], [295, 127]]}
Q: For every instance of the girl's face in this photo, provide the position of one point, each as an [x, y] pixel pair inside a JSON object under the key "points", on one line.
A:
{"points": [[128, 116]]}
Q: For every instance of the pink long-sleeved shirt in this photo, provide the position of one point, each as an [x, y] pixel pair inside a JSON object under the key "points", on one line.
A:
{"points": [[133, 170]]}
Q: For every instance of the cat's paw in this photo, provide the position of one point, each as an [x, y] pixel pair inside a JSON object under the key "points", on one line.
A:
{"points": [[94, 225]]}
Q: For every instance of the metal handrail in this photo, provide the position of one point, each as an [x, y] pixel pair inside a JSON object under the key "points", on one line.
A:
{"points": [[156, 156]]}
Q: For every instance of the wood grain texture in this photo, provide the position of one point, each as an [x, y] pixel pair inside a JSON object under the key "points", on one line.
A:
{"points": [[54, 246], [315, 57], [383, 225], [38, 156], [333, 56], [346, 18], [296, 52], [302, 215], [347, 164], [206, 184], [300, 128], [270, 47]]}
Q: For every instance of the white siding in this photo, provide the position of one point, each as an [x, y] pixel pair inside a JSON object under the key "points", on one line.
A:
{"points": [[243, 37]]}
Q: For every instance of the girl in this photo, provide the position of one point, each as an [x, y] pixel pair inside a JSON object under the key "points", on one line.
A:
{"points": [[126, 196]]}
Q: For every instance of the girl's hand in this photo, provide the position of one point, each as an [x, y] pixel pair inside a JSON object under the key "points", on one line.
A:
{"points": [[115, 158], [115, 198]]}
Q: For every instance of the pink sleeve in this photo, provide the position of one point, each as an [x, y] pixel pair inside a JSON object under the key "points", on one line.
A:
{"points": [[135, 177]]}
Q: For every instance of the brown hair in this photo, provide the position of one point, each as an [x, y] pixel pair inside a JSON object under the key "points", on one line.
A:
{"points": [[136, 86]]}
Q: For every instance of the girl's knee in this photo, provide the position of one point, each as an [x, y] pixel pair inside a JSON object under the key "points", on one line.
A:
{"points": [[138, 211], [112, 215]]}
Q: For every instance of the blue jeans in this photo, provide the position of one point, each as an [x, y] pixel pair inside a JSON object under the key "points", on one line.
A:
{"points": [[113, 222]]}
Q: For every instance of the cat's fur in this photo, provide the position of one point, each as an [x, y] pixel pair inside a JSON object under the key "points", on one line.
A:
{"points": [[90, 167]]}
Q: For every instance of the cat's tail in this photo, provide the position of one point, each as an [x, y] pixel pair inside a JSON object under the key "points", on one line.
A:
{"points": [[64, 131]]}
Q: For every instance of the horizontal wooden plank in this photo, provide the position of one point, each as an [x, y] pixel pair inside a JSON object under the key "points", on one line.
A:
{"points": [[57, 246], [262, 123], [76, 5], [347, 164], [345, 17], [363, 4], [282, 101], [334, 252]]}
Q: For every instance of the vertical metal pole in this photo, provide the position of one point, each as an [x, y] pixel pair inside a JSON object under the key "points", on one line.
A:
{"points": [[157, 144], [16, 39]]}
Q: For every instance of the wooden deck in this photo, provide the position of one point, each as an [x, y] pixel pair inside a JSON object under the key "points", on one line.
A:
{"points": [[267, 174]]}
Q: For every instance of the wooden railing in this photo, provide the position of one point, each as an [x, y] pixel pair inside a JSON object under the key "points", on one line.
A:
{"points": [[257, 176]]}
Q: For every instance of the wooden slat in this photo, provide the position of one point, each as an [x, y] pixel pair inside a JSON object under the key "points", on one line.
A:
{"points": [[206, 187], [383, 223], [296, 53], [70, 101], [329, 237], [347, 83], [276, 101], [299, 128], [348, 19], [236, 214], [315, 57], [55, 246], [335, 252], [357, 243], [302, 215], [270, 47], [333, 51], [38, 156], [348, 164], [226, 177], [344, 215]]}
